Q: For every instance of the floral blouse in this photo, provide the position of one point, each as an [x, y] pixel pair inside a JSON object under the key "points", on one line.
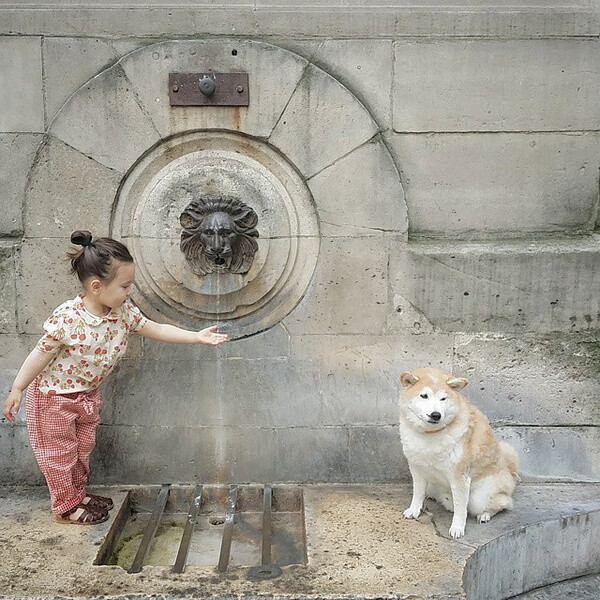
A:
{"points": [[87, 347]]}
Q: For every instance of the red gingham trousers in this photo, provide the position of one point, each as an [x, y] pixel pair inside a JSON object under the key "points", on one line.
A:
{"points": [[62, 432]]}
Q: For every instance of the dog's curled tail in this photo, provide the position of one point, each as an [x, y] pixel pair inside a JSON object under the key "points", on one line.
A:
{"points": [[512, 459]]}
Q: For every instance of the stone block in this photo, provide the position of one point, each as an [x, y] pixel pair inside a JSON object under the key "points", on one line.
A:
{"points": [[556, 453], [128, 454], [44, 281], [272, 73], [13, 351], [477, 186], [105, 121], [532, 380], [322, 122], [376, 455], [21, 84], [501, 287], [496, 85], [17, 462], [360, 194], [69, 62], [17, 151], [8, 299], [60, 198], [273, 343], [359, 374], [363, 66], [175, 393], [297, 454], [349, 290], [336, 19]]}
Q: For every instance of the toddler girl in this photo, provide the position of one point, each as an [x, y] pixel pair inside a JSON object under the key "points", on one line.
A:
{"points": [[85, 337]]}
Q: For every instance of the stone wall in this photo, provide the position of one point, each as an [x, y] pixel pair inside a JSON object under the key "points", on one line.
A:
{"points": [[452, 154]]}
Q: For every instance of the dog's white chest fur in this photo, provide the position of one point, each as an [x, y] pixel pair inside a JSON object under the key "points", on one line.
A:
{"points": [[436, 455]]}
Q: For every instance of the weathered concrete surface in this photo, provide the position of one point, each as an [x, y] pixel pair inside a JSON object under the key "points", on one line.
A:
{"points": [[581, 588], [366, 183], [322, 122], [358, 546], [345, 266], [66, 190], [337, 18], [42, 267], [494, 185], [511, 85], [70, 62], [511, 377], [21, 84], [504, 287], [17, 152], [106, 122], [364, 67], [8, 296], [556, 453]]}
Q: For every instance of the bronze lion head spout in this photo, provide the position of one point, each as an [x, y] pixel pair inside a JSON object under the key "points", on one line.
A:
{"points": [[219, 235]]}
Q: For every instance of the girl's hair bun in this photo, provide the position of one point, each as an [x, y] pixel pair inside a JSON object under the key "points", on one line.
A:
{"points": [[81, 238]]}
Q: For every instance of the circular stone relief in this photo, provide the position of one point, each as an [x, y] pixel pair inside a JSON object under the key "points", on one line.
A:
{"points": [[215, 163]]}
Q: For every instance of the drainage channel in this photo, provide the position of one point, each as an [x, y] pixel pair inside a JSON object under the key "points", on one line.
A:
{"points": [[254, 526]]}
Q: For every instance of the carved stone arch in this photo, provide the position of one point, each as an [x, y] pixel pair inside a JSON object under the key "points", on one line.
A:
{"points": [[305, 155]]}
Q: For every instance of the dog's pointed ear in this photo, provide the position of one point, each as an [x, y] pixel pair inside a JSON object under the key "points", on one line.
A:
{"points": [[407, 379], [457, 383]]}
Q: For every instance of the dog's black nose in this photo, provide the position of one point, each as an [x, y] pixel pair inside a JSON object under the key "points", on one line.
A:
{"points": [[435, 416]]}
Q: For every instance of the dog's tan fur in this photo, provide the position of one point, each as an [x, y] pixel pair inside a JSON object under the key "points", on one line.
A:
{"points": [[458, 460]]}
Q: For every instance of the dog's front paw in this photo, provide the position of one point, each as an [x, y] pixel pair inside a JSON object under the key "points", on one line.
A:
{"points": [[411, 513], [456, 531], [484, 517]]}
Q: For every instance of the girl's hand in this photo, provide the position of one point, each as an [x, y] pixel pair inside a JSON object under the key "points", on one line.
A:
{"points": [[12, 404], [211, 337]]}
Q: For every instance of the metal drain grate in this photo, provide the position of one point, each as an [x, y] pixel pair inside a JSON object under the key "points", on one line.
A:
{"points": [[250, 511]]}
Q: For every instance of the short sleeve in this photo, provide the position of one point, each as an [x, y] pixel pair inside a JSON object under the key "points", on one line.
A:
{"points": [[58, 333], [133, 317]]}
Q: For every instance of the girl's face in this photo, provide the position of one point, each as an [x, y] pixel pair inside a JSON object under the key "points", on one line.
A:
{"points": [[114, 293]]}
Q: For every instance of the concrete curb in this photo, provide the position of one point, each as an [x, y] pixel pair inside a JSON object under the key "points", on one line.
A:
{"points": [[535, 555]]}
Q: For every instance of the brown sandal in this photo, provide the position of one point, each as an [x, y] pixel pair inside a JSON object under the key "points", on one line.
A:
{"points": [[83, 515], [98, 502]]}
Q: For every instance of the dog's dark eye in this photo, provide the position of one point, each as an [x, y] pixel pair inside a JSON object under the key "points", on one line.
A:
{"points": [[442, 399], [424, 396]]}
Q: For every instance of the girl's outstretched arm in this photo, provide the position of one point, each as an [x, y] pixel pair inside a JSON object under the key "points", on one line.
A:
{"points": [[34, 364], [174, 335]]}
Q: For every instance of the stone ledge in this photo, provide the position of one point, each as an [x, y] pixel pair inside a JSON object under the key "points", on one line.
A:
{"points": [[316, 19], [503, 287]]}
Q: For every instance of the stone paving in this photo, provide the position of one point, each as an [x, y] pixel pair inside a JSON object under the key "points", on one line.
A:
{"points": [[358, 546]]}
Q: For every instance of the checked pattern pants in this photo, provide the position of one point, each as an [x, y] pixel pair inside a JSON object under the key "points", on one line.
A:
{"points": [[62, 432]]}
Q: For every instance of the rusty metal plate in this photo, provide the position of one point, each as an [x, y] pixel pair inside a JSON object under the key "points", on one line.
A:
{"points": [[221, 89]]}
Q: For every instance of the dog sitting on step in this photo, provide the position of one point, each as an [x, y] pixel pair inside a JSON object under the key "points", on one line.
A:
{"points": [[452, 452]]}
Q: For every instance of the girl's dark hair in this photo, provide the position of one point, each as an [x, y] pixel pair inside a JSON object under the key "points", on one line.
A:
{"points": [[96, 258]]}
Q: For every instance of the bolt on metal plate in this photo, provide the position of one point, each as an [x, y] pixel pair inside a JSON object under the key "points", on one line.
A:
{"points": [[209, 89]]}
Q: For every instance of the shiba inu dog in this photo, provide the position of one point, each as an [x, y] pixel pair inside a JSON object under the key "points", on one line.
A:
{"points": [[452, 452]]}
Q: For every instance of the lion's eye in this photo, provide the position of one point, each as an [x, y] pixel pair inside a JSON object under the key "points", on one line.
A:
{"points": [[208, 232], [424, 396]]}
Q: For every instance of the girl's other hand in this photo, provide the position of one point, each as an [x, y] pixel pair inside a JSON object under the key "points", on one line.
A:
{"points": [[12, 405], [211, 337]]}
